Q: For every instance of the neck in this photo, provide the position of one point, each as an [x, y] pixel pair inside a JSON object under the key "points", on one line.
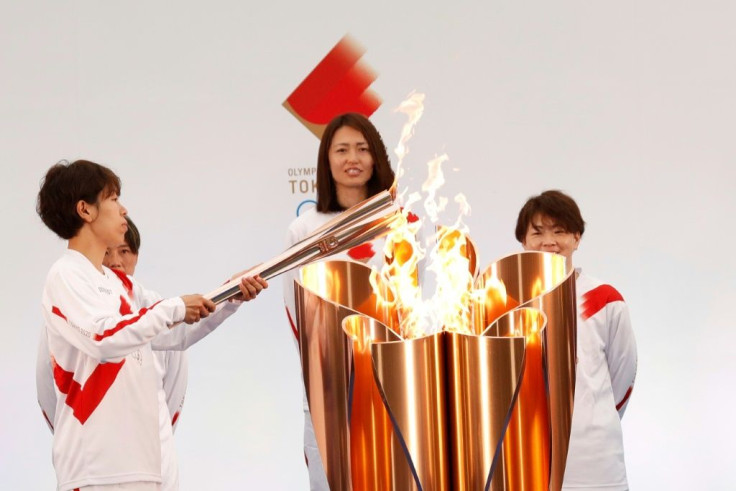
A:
{"points": [[89, 246], [348, 197]]}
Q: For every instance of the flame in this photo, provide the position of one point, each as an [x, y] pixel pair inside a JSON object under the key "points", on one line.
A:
{"points": [[451, 260], [454, 281], [403, 252], [436, 179], [413, 107]]}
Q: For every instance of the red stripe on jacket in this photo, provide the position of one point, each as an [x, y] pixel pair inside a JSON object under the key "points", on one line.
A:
{"points": [[124, 310], [127, 284], [84, 399], [46, 417], [120, 325], [597, 298], [626, 398], [55, 310]]}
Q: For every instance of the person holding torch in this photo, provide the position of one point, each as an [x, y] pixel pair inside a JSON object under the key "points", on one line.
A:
{"points": [[100, 331]]}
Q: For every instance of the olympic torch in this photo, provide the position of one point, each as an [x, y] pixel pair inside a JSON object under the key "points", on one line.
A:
{"points": [[363, 222]]}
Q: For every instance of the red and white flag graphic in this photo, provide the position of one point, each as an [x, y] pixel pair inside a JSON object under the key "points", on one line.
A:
{"points": [[340, 83]]}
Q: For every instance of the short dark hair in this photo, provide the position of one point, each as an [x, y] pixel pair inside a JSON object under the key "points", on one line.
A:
{"points": [[556, 205], [65, 185], [383, 176], [132, 236]]}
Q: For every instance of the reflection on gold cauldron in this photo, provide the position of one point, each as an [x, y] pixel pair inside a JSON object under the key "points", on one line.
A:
{"points": [[489, 408]]}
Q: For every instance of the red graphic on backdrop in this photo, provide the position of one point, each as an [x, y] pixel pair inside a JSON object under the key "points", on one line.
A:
{"points": [[340, 83]]}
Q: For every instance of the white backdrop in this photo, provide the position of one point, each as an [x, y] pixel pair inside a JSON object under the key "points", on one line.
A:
{"points": [[629, 106]]}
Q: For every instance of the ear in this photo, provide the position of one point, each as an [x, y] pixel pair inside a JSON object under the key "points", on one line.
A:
{"points": [[577, 240], [86, 211]]}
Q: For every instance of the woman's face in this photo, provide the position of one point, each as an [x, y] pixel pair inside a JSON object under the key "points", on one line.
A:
{"points": [[546, 235], [351, 162], [121, 257]]}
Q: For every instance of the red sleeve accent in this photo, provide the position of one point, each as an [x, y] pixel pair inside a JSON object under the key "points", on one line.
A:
{"points": [[597, 298], [120, 325], [127, 284], [293, 326], [338, 84], [173, 420], [362, 252], [626, 398], [55, 310], [84, 400]]}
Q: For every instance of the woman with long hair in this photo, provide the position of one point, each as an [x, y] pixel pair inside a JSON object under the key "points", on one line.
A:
{"points": [[352, 166]]}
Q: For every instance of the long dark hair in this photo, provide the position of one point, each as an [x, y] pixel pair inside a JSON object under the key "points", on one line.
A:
{"points": [[383, 175]]}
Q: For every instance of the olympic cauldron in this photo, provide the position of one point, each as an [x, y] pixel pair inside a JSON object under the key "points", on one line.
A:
{"points": [[486, 409]]}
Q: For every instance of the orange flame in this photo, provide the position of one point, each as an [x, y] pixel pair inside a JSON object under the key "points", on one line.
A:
{"points": [[454, 281], [403, 253], [451, 305], [413, 107]]}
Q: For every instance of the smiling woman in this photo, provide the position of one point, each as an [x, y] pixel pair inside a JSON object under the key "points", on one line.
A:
{"points": [[352, 165], [606, 351]]}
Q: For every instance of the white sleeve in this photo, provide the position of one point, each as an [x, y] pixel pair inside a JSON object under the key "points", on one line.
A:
{"points": [[184, 335], [174, 362], [74, 310], [175, 382], [45, 381], [621, 355]]}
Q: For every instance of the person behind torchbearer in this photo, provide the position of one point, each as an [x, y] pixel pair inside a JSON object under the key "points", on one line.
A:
{"points": [[172, 364], [606, 356], [100, 327], [352, 165]]}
